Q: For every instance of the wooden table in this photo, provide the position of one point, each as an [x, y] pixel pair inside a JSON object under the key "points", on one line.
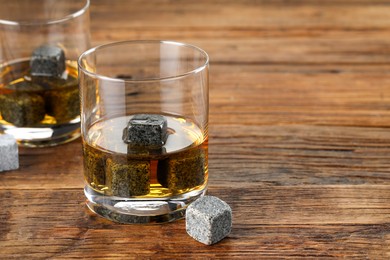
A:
{"points": [[299, 137]]}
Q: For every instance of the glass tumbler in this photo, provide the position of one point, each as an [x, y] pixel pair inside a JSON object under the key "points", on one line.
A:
{"points": [[40, 42], [144, 125]]}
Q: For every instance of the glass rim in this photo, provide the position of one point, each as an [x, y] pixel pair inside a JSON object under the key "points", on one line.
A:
{"points": [[65, 18], [175, 43]]}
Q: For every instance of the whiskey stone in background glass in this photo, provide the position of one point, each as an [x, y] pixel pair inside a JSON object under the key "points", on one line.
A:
{"points": [[22, 108], [23, 104], [48, 61]]}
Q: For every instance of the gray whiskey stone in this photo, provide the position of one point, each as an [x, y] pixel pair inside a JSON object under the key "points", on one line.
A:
{"points": [[128, 178], [25, 86], [47, 61], [8, 153], [146, 130], [208, 220], [94, 167], [22, 108], [63, 104], [185, 170], [61, 96]]}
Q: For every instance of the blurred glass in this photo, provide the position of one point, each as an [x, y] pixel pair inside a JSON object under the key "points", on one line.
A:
{"points": [[40, 42]]}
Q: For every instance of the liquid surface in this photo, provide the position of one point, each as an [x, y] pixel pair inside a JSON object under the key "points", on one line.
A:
{"points": [[107, 135], [115, 168]]}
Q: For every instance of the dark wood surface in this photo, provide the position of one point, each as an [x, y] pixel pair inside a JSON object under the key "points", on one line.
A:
{"points": [[299, 137]]}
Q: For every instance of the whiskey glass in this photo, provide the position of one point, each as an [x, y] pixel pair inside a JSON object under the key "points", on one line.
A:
{"points": [[40, 42], [144, 126]]}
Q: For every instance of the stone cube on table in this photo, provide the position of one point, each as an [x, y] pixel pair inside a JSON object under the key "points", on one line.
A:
{"points": [[208, 220], [9, 157]]}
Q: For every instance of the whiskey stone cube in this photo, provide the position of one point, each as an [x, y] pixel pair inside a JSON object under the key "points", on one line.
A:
{"points": [[53, 83], [146, 130], [47, 61], [8, 153], [208, 220], [142, 151], [22, 108], [182, 171], [94, 167], [63, 104], [128, 178], [61, 97], [20, 114], [25, 86]]}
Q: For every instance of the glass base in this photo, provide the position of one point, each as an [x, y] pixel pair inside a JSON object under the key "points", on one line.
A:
{"points": [[140, 211], [43, 136]]}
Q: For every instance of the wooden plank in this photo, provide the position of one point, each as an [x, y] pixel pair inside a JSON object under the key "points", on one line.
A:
{"points": [[258, 46], [352, 48], [298, 155], [262, 32], [328, 221], [251, 97], [269, 13]]}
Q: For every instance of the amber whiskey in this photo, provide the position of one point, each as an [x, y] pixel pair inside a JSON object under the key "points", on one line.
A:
{"points": [[115, 168]]}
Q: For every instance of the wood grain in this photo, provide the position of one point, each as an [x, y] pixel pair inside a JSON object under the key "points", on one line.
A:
{"points": [[268, 221], [261, 32], [299, 137]]}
